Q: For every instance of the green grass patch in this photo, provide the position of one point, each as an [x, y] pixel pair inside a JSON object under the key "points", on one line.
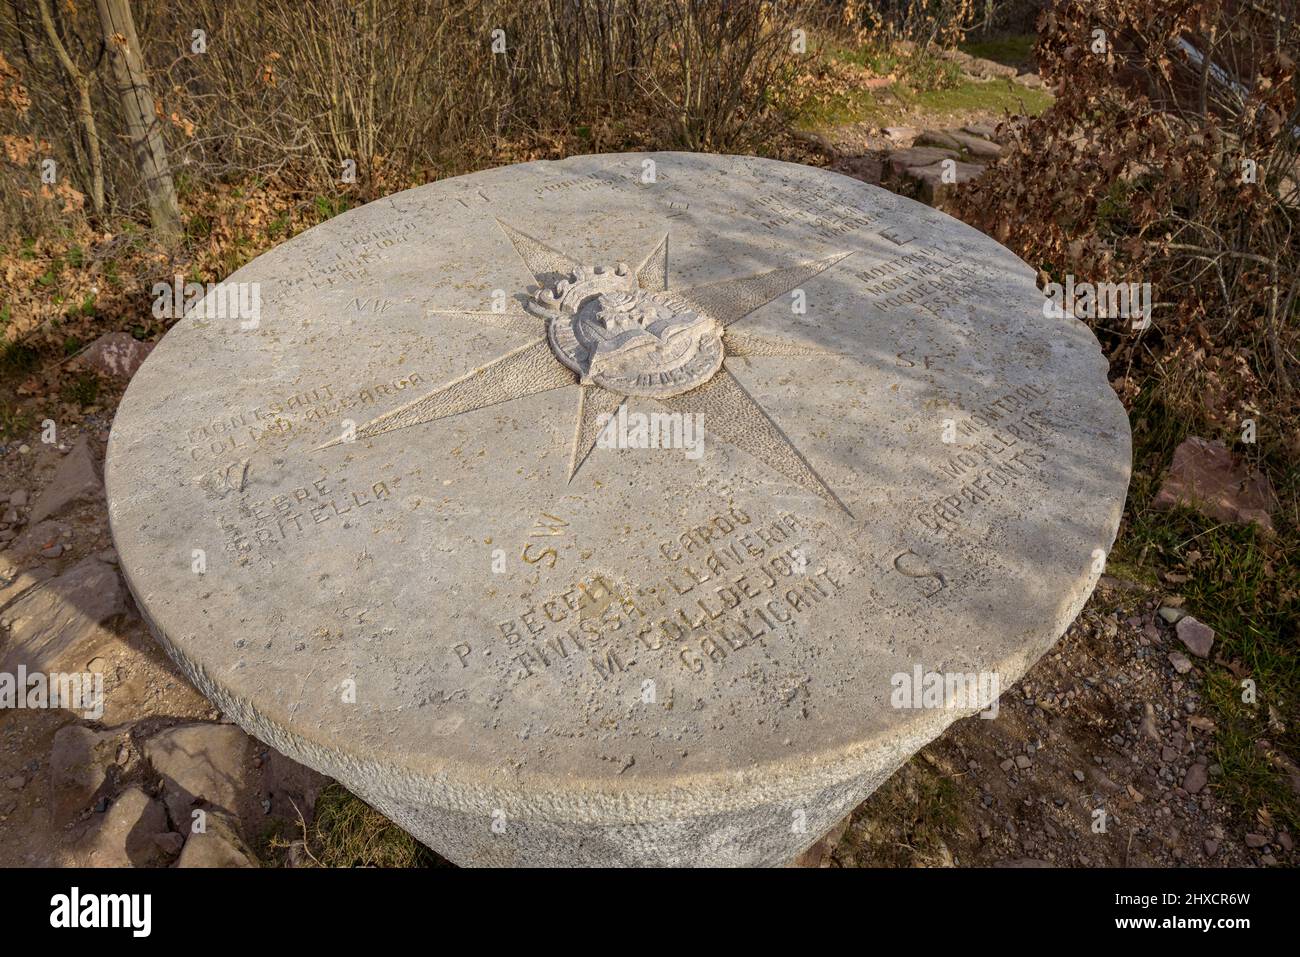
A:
{"points": [[918, 71], [879, 60], [1246, 586], [239, 253], [1017, 50], [916, 75], [347, 832], [854, 106], [278, 227], [935, 811], [1114, 210], [14, 421], [912, 814], [198, 227], [82, 390], [17, 359], [992, 96], [327, 207], [858, 106]]}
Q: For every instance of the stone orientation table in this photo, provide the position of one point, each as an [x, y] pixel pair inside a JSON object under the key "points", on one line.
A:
{"points": [[378, 523]]}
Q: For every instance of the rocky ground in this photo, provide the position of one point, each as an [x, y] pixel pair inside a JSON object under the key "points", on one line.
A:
{"points": [[1109, 728], [120, 788]]}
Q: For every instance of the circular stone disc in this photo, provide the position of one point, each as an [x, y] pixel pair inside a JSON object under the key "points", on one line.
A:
{"points": [[370, 517]]}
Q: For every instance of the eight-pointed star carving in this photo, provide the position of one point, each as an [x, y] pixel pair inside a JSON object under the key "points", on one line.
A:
{"points": [[730, 412]]}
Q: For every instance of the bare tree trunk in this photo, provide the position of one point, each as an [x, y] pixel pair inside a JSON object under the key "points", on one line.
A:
{"points": [[85, 115], [141, 122]]}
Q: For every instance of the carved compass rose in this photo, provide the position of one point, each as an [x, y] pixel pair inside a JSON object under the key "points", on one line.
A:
{"points": [[617, 333]]}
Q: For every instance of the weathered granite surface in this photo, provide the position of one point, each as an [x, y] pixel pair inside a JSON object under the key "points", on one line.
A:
{"points": [[372, 527]]}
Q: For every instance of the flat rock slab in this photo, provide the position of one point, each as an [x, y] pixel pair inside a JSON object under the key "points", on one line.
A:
{"points": [[217, 848], [218, 768], [978, 66], [1204, 475], [902, 160], [978, 147], [46, 628], [117, 354], [15, 582], [80, 759], [1196, 635], [75, 480], [127, 835], [383, 529], [203, 766], [985, 131], [932, 181], [938, 139]]}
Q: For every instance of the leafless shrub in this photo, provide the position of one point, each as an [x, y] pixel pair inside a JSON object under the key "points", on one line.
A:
{"points": [[1169, 157], [925, 23], [402, 90]]}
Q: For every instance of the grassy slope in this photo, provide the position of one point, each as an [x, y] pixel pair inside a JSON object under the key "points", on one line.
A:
{"points": [[924, 84], [1243, 584]]}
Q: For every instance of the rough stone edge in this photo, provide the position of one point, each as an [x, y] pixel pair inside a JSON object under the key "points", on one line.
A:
{"points": [[630, 801]]}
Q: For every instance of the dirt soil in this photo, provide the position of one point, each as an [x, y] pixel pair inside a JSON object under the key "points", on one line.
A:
{"points": [[1102, 731]]}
